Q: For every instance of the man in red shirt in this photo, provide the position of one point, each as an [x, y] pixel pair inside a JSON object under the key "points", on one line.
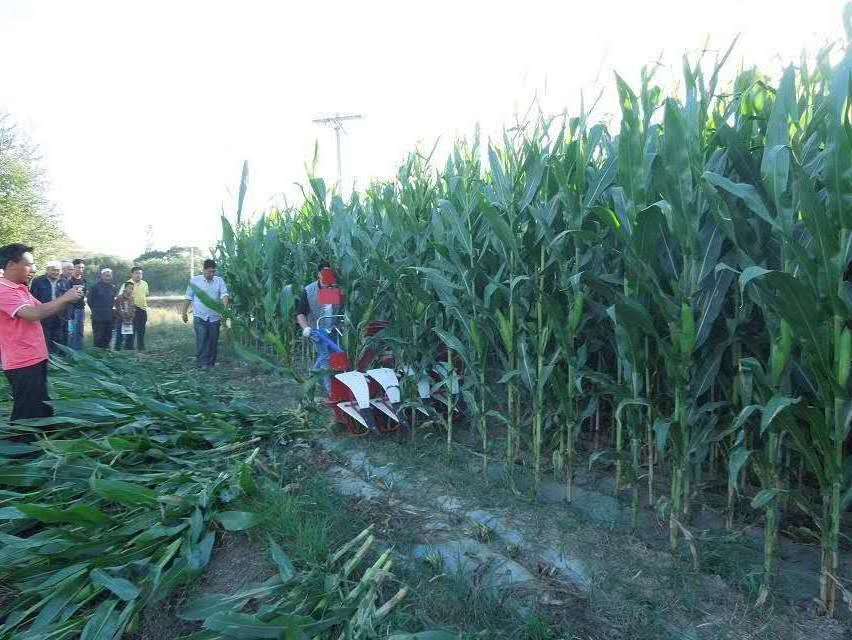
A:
{"points": [[23, 350]]}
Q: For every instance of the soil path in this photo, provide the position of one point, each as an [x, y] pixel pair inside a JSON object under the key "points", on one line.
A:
{"points": [[579, 560], [237, 563], [578, 564]]}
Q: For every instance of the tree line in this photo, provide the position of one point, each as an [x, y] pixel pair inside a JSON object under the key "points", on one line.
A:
{"points": [[27, 215]]}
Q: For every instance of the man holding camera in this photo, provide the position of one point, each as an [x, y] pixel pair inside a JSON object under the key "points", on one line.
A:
{"points": [[23, 350]]}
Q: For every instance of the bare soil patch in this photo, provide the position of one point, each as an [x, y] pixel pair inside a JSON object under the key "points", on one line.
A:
{"points": [[237, 562], [591, 573]]}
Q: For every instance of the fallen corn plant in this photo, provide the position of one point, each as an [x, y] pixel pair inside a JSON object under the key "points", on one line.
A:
{"points": [[337, 601], [117, 501]]}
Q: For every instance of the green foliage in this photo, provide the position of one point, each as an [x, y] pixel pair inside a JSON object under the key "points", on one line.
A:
{"points": [[168, 271], [122, 501], [165, 271], [25, 214], [691, 270], [139, 475]]}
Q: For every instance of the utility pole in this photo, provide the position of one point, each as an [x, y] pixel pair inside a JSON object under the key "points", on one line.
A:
{"points": [[336, 122], [149, 237], [191, 262]]}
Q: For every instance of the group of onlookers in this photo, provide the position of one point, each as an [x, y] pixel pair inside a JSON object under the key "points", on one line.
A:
{"points": [[39, 313], [119, 313]]}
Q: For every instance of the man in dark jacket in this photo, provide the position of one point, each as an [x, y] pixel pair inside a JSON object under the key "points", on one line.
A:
{"points": [[63, 286], [101, 299], [48, 288], [77, 311]]}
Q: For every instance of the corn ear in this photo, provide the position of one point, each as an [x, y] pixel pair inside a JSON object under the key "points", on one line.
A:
{"points": [[786, 341], [844, 357], [505, 332], [687, 330], [779, 356], [476, 337], [576, 314]]}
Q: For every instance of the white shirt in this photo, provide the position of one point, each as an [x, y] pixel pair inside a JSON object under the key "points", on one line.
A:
{"points": [[215, 288]]}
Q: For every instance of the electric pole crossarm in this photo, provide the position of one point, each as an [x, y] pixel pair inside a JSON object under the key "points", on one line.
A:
{"points": [[337, 119]]}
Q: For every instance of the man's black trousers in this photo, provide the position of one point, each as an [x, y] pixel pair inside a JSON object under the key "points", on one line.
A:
{"points": [[140, 319], [53, 332], [102, 333], [29, 392]]}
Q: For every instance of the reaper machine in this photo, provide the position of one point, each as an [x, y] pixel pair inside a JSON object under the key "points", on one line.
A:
{"points": [[366, 397]]}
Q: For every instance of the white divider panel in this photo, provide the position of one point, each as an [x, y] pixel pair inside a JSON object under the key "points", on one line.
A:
{"points": [[385, 409], [389, 382], [357, 383], [351, 410]]}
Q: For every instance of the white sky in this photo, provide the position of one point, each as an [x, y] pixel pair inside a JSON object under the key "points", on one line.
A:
{"points": [[145, 110]]}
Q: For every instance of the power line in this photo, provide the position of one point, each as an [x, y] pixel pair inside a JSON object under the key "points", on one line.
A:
{"points": [[336, 122]]}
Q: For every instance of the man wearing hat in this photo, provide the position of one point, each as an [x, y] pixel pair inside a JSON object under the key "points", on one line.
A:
{"points": [[67, 270], [48, 288]]}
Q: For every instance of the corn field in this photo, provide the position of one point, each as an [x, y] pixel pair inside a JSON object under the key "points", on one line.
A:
{"points": [[672, 296]]}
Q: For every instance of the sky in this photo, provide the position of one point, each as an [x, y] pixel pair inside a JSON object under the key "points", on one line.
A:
{"points": [[144, 111]]}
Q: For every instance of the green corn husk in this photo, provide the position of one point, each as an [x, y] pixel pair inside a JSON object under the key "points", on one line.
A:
{"points": [[576, 314], [844, 357], [687, 330]]}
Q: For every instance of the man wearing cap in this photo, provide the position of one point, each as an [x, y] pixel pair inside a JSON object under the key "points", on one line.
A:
{"points": [[47, 288], [67, 270], [311, 312], [101, 299], [23, 351]]}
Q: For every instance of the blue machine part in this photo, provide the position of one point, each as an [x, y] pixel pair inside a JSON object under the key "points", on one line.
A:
{"points": [[320, 335]]}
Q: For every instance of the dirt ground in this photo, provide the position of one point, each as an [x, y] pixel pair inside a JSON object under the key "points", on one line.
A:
{"points": [[588, 568], [579, 567], [237, 562]]}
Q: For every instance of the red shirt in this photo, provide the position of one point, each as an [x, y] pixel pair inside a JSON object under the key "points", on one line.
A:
{"points": [[22, 342]]}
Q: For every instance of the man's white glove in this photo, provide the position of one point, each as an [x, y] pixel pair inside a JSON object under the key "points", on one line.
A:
{"points": [[306, 332]]}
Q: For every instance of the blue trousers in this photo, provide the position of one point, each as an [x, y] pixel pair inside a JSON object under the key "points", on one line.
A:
{"points": [[322, 364], [76, 323], [206, 341]]}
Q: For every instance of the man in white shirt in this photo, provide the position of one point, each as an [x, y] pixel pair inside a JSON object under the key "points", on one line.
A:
{"points": [[206, 322]]}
